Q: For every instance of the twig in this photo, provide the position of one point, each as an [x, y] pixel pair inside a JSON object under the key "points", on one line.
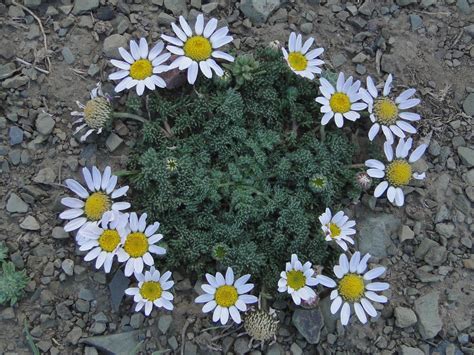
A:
{"points": [[225, 334], [45, 42], [31, 65], [188, 322]]}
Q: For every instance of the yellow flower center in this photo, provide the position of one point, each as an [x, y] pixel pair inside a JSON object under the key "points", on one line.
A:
{"points": [[398, 173], [109, 239], [340, 102], [226, 296], [295, 279], [151, 290], [136, 244], [141, 69], [386, 111], [197, 48], [95, 206], [351, 287], [335, 230], [297, 61], [97, 112]]}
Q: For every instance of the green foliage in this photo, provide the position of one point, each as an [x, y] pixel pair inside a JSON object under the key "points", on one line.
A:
{"points": [[12, 283], [244, 157], [3, 252], [243, 69]]}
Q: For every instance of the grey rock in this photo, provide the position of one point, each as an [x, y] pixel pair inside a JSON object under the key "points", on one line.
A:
{"points": [[177, 7], [338, 60], [296, 349], [15, 82], [406, 233], [406, 2], [306, 28], [62, 310], [82, 306], [111, 45], [68, 267], [7, 314], [376, 230], [462, 204], [407, 350], [136, 320], [258, 11], [469, 30], [164, 19], [309, 323], [466, 155], [425, 245], [404, 317], [51, 11], [330, 320], [208, 8], [69, 58], [59, 233], [15, 135], [17, 260], [113, 142], [241, 345], [30, 223], [464, 7], [74, 335], [173, 342], [32, 3], [7, 70], [427, 3], [105, 13], [86, 295], [429, 321], [275, 349], [436, 256], [416, 22], [445, 229], [16, 205], [98, 328], [468, 104], [164, 323], [367, 8], [83, 6], [190, 348], [117, 288], [45, 176]]}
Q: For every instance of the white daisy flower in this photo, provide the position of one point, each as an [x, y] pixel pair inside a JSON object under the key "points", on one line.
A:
{"points": [[355, 287], [337, 228], [300, 61], [94, 201], [96, 114], [226, 297], [138, 243], [152, 291], [398, 172], [295, 280], [140, 67], [103, 239], [340, 102], [199, 48], [389, 113]]}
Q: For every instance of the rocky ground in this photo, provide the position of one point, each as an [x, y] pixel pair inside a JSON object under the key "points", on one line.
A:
{"points": [[427, 246]]}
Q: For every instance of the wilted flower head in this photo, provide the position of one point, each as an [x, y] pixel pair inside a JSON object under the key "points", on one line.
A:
{"points": [[260, 325], [363, 180], [318, 183], [220, 251]]}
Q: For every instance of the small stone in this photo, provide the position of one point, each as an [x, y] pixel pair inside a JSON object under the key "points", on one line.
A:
{"points": [[82, 306], [86, 295], [59, 233], [45, 176], [466, 155], [306, 28], [361, 69], [122, 343], [113, 142], [45, 124], [7, 314], [68, 267], [164, 323], [51, 11], [404, 317], [436, 256], [84, 6], [164, 19], [32, 3], [177, 7], [7, 70], [359, 58], [67, 55], [16, 205], [173, 343], [208, 8], [258, 11], [74, 335], [112, 44], [16, 135], [406, 2], [338, 60], [105, 13], [407, 350], [295, 349], [463, 6], [445, 229], [117, 288], [30, 223], [309, 323], [469, 263], [429, 322], [416, 22], [406, 233], [275, 349], [98, 328], [468, 105], [427, 3]]}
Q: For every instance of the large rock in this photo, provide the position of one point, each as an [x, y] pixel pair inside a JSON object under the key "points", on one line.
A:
{"points": [[374, 233], [468, 104], [258, 11], [16, 205], [117, 344], [45, 124], [429, 322], [83, 6], [177, 7], [112, 44], [309, 323]]}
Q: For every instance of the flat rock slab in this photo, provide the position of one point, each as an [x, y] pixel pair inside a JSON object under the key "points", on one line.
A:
{"points": [[117, 344], [429, 322], [374, 233], [309, 323]]}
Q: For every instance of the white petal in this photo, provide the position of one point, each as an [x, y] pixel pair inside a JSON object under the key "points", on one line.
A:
{"points": [[173, 40], [387, 147], [72, 202], [406, 127], [209, 306], [140, 88], [345, 313], [219, 42], [408, 104], [135, 50], [199, 26], [409, 116], [222, 55], [205, 69], [405, 95], [71, 213], [376, 298], [156, 50], [210, 27], [371, 87], [336, 304], [388, 134], [373, 163], [214, 66], [344, 263], [217, 313], [292, 42], [126, 55], [120, 64], [417, 153], [377, 286], [391, 194], [179, 32], [124, 84], [374, 273], [204, 298], [326, 281], [380, 189], [376, 173], [340, 82], [386, 88], [224, 315], [235, 314], [143, 47], [339, 120], [368, 307], [358, 308], [77, 188], [354, 263], [363, 263], [307, 44], [229, 276], [185, 26]]}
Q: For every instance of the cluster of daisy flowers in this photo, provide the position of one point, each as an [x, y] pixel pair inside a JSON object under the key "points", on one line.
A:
{"points": [[107, 233]]}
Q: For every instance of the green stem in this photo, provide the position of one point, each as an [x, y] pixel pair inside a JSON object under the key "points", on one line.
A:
{"points": [[129, 116], [322, 132]]}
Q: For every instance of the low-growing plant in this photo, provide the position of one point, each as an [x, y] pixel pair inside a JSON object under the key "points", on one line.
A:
{"points": [[12, 283], [244, 162]]}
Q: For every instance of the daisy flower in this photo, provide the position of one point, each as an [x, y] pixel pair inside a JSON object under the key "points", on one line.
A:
{"points": [[102, 239], [301, 61], [296, 279], [197, 50], [337, 228], [355, 288], [137, 243], [340, 102], [94, 201], [398, 172], [152, 291], [140, 67], [226, 296], [96, 114], [388, 112]]}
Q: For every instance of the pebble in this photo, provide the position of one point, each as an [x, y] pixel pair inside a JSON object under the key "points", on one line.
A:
{"points": [[408, 350], [84, 6], [308, 322], [45, 176], [177, 7], [16, 135], [306, 28], [69, 58], [68, 267], [464, 7], [210, 7], [16, 205], [112, 43], [113, 142], [416, 22], [406, 234], [258, 11], [136, 320], [82, 306], [30, 223], [468, 105], [59, 233], [338, 60], [429, 321], [404, 317], [164, 323], [15, 82], [466, 155]]}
